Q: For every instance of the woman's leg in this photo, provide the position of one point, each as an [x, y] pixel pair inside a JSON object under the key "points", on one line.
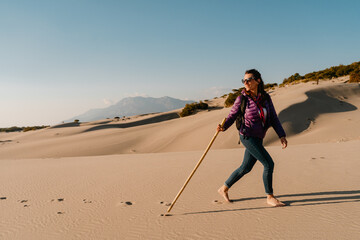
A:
{"points": [[257, 150], [245, 167]]}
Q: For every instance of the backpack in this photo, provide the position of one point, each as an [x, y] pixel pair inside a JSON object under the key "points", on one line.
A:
{"points": [[240, 120]]}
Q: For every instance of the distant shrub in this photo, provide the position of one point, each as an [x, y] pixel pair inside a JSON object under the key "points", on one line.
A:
{"points": [[19, 129], [202, 105], [306, 80], [328, 73], [270, 85], [76, 121], [296, 82], [191, 108], [231, 99], [26, 129], [117, 118], [11, 129], [355, 76]]}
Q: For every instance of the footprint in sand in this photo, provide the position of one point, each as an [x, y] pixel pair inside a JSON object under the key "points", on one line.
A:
{"points": [[127, 203], [165, 215], [165, 203], [59, 200], [217, 201], [86, 201], [24, 201]]}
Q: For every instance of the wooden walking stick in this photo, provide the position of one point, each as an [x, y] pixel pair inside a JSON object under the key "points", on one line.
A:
{"points": [[196, 167]]}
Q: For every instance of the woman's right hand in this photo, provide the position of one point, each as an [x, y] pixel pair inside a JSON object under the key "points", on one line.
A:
{"points": [[220, 129]]}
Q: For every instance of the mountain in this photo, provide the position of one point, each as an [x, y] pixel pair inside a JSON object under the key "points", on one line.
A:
{"points": [[132, 106]]}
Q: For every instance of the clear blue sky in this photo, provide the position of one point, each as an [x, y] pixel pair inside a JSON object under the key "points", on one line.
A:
{"points": [[60, 58]]}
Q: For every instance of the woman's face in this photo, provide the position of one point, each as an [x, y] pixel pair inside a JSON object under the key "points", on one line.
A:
{"points": [[250, 83]]}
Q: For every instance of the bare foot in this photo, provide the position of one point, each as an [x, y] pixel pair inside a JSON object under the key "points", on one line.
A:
{"points": [[272, 201], [223, 191]]}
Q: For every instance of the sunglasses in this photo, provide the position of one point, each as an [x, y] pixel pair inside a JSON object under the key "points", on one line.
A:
{"points": [[247, 80]]}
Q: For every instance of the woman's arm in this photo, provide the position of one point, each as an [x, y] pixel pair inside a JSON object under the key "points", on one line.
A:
{"points": [[275, 123], [234, 112]]}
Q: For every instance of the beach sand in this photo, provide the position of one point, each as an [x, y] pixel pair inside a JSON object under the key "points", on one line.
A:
{"points": [[113, 180]]}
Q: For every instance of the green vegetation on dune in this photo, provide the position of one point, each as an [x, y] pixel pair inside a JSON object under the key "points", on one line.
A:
{"points": [[355, 76], [329, 73], [192, 108], [232, 97], [22, 129]]}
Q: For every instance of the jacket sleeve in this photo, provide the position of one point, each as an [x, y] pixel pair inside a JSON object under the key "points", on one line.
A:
{"points": [[234, 112], [274, 120]]}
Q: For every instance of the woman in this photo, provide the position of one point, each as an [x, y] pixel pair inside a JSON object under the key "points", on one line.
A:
{"points": [[259, 115]]}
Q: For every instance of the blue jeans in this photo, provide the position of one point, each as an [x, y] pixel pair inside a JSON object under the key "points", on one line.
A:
{"points": [[254, 151]]}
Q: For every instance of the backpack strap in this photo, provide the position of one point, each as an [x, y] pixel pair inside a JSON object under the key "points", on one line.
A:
{"points": [[240, 120]]}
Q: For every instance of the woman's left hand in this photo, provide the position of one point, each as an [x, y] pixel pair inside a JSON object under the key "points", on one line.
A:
{"points": [[283, 142]]}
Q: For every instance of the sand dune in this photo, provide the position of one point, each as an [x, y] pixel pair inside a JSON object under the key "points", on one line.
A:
{"points": [[112, 179], [310, 113]]}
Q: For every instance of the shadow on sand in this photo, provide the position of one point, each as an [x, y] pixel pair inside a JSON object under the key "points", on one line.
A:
{"points": [[64, 125], [322, 199], [156, 119], [298, 117]]}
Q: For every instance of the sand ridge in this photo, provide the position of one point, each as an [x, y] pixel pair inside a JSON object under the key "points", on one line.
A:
{"points": [[307, 111]]}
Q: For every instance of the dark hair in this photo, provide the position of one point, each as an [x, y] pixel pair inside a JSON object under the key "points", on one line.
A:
{"points": [[257, 76]]}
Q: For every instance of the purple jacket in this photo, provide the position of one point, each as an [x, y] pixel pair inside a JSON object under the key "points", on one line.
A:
{"points": [[253, 124]]}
